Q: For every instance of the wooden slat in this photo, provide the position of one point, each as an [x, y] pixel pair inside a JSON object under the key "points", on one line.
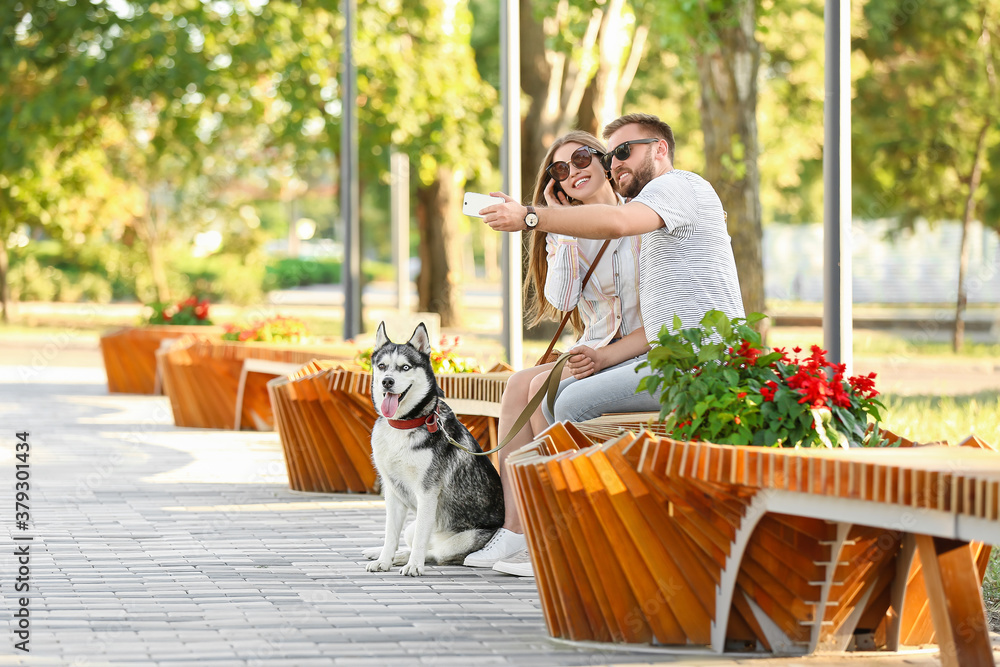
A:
{"points": [[956, 602]]}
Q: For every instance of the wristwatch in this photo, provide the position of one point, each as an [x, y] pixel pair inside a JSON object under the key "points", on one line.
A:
{"points": [[531, 219]]}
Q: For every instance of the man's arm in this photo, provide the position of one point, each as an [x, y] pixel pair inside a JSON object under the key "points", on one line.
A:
{"points": [[592, 221]]}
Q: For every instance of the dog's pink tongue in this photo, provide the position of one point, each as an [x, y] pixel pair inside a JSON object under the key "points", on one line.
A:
{"points": [[389, 405]]}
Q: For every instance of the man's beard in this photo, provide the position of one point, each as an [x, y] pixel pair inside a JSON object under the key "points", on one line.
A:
{"points": [[640, 177]]}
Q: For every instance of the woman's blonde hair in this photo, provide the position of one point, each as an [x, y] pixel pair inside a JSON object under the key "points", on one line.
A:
{"points": [[536, 307]]}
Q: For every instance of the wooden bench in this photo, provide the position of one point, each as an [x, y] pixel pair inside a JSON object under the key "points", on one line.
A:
{"points": [[645, 539], [324, 416], [223, 384], [129, 355]]}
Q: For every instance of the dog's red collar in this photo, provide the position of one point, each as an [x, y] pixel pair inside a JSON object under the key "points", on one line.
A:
{"points": [[430, 421]]}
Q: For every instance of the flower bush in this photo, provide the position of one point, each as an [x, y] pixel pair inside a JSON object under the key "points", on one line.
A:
{"points": [[276, 329], [189, 311], [720, 384], [444, 359]]}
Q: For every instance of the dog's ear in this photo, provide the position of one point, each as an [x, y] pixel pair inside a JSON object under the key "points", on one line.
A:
{"points": [[380, 337], [421, 340]]}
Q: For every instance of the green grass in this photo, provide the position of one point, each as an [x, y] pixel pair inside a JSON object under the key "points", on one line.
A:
{"points": [[991, 590], [952, 418], [871, 343]]}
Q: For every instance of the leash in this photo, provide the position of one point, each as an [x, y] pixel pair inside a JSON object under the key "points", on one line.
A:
{"points": [[547, 390]]}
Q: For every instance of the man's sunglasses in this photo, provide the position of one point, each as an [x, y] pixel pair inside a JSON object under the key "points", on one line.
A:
{"points": [[581, 159], [623, 151]]}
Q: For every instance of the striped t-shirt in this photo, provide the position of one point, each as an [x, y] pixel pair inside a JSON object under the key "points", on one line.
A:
{"points": [[686, 267]]}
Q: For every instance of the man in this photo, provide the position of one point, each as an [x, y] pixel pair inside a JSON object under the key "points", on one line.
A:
{"points": [[686, 264], [686, 268]]}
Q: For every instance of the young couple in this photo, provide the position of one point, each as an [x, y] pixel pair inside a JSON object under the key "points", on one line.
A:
{"points": [[671, 249]]}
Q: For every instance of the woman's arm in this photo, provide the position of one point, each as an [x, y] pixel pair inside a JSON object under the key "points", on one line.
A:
{"points": [[562, 282], [587, 361]]}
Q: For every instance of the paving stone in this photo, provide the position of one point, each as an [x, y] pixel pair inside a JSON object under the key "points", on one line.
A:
{"points": [[140, 558]]}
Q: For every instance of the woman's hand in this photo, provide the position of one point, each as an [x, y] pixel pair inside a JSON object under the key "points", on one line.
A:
{"points": [[585, 361], [553, 198], [505, 217]]}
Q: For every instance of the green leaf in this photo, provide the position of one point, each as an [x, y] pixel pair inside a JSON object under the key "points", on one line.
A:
{"points": [[710, 352]]}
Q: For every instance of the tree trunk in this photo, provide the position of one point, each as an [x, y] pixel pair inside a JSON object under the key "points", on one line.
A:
{"points": [[4, 287], [554, 82], [958, 338], [616, 65], [586, 92], [727, 70], [440, 255], [145, 229]]}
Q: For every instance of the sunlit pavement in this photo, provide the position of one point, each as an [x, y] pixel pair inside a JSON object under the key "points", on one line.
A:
{"points": [[156, 545]]}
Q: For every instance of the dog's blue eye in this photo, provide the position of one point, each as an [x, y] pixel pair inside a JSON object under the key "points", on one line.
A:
{"points": [[405, 367]]}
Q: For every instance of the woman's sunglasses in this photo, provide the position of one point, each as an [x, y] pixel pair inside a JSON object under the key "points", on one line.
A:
{"points": [[581, 159], [623, 151]]}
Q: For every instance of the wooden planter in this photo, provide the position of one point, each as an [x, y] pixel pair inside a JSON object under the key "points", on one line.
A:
{"points": [[324, 416], [130, 354], [206, 379], [649, 540]]}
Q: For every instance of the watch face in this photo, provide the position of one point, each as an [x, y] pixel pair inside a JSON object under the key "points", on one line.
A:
{"points": [[531, 219]]}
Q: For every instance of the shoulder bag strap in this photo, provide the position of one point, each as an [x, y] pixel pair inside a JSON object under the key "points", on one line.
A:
{"points": [[583, 283]]}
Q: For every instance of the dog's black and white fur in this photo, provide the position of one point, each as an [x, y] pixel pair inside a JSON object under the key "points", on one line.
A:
{"points": [[456, 496]]}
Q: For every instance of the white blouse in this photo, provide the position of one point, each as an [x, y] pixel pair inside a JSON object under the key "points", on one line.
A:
{"points": [[609, 305]]}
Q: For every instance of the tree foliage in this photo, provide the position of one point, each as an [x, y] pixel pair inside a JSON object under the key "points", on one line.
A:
{"points": [[927, 116], [189, 108]]}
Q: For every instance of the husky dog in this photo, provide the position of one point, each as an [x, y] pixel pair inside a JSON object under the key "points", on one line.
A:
{"points": [[456, 496]]}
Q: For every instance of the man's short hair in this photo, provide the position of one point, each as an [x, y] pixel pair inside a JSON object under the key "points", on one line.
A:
{"points": [[648, 121]]}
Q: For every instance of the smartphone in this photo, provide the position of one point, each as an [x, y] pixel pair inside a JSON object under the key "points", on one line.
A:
{"points": [[473, 202], [558, 188]]}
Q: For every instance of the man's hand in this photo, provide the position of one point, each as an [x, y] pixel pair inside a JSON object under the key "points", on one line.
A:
{"points": [[506, 217], [584, 362]]}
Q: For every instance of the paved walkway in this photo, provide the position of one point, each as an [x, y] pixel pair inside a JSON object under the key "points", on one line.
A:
{"points": [[155, 545]]}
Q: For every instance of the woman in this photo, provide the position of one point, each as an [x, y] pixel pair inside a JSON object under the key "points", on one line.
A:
{"points": [[605, 309]]}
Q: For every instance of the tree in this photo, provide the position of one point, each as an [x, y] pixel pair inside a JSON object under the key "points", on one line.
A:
{"points": [[578, 60], [720, 38], [157, 88], [927, 97], [420, 91]]}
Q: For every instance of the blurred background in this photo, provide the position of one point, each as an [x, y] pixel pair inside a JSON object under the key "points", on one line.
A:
{"points": [[157, 150]]}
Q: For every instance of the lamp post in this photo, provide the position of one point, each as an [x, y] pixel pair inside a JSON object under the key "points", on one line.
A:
{"points": [[837, 292], [510, 166], [349, 190]]}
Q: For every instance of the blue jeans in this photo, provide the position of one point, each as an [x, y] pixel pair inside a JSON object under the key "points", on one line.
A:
{"points": [[611, 390]]}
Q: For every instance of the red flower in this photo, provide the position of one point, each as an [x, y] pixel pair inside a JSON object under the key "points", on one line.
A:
{"points": [[768, 390], [748, 352], [742, 394], [864, 385]]}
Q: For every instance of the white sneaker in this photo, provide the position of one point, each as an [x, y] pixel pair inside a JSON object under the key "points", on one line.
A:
{"points": [[519, 565], [504, 543]]}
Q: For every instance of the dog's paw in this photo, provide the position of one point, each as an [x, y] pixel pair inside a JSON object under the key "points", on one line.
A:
{"points": [[402, 557], [373, 553], [379, 566], [412, 570]]}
